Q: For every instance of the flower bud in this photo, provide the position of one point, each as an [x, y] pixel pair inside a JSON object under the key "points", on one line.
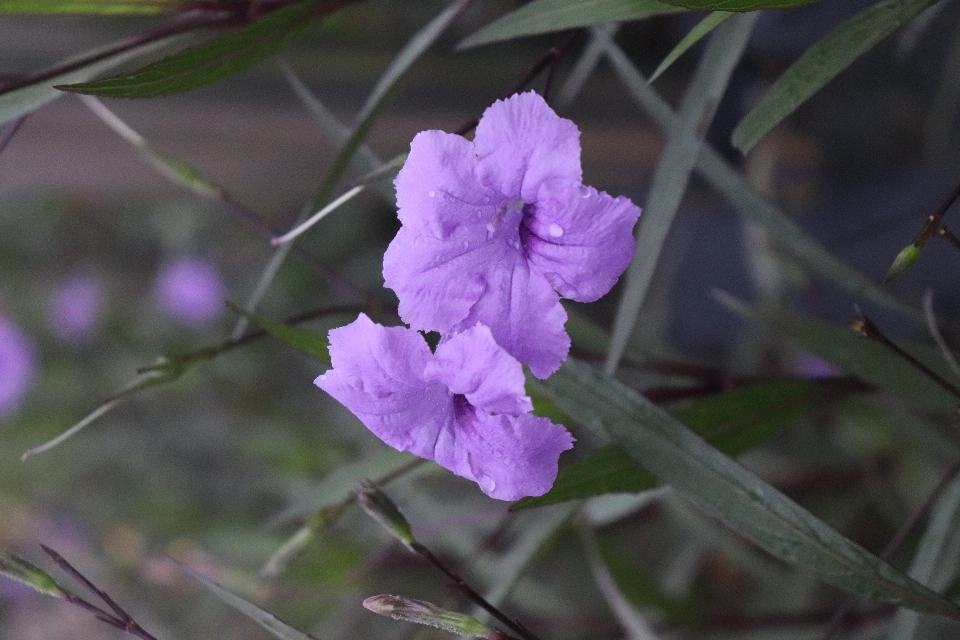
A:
{"points": [[431, 615], [379, 507]]}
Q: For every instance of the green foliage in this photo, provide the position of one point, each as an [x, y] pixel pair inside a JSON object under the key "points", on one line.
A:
{"points": [[822, 62], [212, 61], [106, 7], [677, 456], [544, 16], [733, 422]]}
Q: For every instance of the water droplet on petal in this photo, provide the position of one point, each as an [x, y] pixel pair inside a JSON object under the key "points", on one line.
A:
{"points": [[432, 193], [555, 230], [490, 228], [479, 214], [585, 192], [466, 245]]}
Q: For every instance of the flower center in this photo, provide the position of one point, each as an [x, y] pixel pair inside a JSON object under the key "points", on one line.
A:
{"points": [[461, 407]]}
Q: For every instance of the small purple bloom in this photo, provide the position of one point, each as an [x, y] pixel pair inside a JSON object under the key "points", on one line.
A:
{"points": [[463, 407], [75, 308], [190, 291], [18, 367], [496, 230]]}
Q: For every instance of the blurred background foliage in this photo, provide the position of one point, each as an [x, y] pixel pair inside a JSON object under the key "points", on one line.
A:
{"points": [[106, 265]]}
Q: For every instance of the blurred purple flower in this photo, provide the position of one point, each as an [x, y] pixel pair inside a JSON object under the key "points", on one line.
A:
{"points": [[496, 230], [18, 366], [463, 407], [814, 367], [190, 291], [75, 308]]}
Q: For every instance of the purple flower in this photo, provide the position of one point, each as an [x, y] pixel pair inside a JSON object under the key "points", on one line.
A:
{"points": [[190, 291], [463, 406], [496, 230], [18, 367], [75, 308]]}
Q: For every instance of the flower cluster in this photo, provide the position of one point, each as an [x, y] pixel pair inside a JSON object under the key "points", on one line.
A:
{"points": [[494, 232]]}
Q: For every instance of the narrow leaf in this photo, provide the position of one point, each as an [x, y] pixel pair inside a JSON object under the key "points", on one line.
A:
{"points": [[822, 62], [935, 563], [865, 359], [704, 27], [29, 574], [212, 61], [757, 510], [544, 16], [105, 7], [312, 344], [415, 48], [733, 422], [739, 5], [17, 102], [163, 371], [277, 627], [673, 172], [793, 239]]}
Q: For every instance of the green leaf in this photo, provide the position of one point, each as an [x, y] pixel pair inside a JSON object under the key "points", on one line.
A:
{"points": [[794, 240], [821, 62], [704, 27], [312, 344], [697, 108], [204, 64], [544, 16], [935, 563], [734, 422], [277, 627], [679, 457], [739, 6], [865, 359], [17, 102], [114, 7], [29, 574], [163, 371]]}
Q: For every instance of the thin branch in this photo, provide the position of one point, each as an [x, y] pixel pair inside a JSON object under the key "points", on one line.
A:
{"points": [[549, 59], [868, 329], [931, 318], [119, 619], [471, 594]]}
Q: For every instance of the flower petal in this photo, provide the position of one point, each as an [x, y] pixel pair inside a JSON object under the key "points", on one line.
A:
{"points": [[522, 145], [437, 280], [438, 189], [581, 243], [509, 457], [378, 374], [524, 314], [473, 364]]}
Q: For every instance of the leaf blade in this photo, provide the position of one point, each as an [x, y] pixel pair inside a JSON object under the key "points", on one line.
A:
{"points": [[544, 16], [679, 457], [821, 63], [101, 7], [206, 63]]}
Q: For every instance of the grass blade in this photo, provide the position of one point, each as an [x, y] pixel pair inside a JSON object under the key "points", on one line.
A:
{"points": [[673, 172], [822, 62], [703, 27], [274, 625], [677, 456], [211, 61], [544, 16], [794, 240]]}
